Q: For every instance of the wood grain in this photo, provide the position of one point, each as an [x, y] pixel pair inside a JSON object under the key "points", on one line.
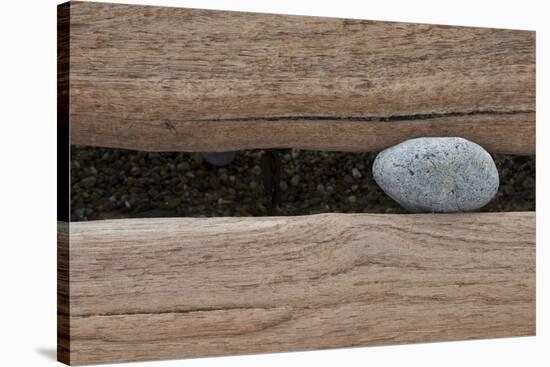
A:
{"points": [[63, 182], [63, 293], [172, 79], [63, 115], [145, 289]]}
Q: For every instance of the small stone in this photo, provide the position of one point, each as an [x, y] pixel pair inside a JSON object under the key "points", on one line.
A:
{"points": [[80, 213], [315, 201], [295, 180], [223, 176], [219, 159], [356, 173], [215, 182], [172, 203], [283, 186], [88, 182], [253, 185], [295, 153], [198, 158], [437, 175], [257, 170], [321, 188], [352, 199], [183, 166], [190, 174]]}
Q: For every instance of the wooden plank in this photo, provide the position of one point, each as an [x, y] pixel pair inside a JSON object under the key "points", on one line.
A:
{"points": [[173, 79], [63, 294], [63, 181], [145, 289], [63, 115]]}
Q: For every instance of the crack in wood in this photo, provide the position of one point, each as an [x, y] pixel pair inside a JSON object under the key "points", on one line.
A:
{"points": [[391, 118], [179, 312]]}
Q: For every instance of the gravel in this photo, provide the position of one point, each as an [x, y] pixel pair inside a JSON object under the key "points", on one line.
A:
{"points": [[115, 183]]}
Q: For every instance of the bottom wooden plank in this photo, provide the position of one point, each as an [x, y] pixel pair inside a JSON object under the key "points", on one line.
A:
{"points": [[144, 289]]}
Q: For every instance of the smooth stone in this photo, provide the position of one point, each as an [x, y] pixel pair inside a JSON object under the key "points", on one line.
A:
{"points": [[183, 166], [356, 173], [88, 182], [321, 188], [437, 175], [219, 159], [80, 213]]}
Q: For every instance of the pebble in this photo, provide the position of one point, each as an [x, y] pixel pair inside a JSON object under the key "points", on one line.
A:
{"points": [[257, 170], [321, 188], [295, 180], [223, 176], [183, 166], [88, 182], [198, 158], [283, 186], [214, 182], [219, 159], [172, 203], [80, 213], [437, 175], [356, 173]]}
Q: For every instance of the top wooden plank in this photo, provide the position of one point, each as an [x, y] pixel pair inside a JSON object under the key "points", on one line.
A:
{"points": [[169, 79]]}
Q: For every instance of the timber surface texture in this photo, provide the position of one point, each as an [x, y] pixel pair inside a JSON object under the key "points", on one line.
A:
{"points": [[143, 289], [173, 79]]}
